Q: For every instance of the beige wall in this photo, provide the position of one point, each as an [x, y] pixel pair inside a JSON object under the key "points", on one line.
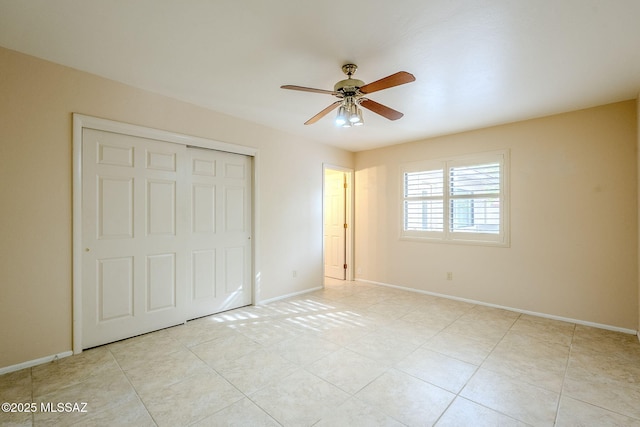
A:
{"points": [[574, 222], [37, 99]]}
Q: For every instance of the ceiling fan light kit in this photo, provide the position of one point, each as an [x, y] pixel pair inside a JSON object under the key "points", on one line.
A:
{"points": [[351, 93], [349, 114]]}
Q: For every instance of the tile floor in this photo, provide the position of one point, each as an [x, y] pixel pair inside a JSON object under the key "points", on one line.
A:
{"points": [[352, 354]]}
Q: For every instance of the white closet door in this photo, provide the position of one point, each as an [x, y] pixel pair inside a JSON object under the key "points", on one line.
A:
{"points": [[219, 231], [143, 267]]}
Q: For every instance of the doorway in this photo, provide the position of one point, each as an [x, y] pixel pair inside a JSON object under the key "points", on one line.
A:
{"points": [[337, 222]]}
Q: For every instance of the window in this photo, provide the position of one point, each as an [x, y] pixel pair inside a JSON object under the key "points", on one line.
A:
{"points": [[457, 200]]}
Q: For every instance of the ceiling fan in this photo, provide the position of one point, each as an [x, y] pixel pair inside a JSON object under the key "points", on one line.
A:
{"points": [[351, 93]]}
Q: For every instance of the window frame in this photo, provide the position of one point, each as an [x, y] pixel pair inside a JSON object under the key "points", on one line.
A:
{"points": [[502, 238]]}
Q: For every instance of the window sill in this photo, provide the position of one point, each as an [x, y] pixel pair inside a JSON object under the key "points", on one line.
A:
{"points": [[457, 241]]}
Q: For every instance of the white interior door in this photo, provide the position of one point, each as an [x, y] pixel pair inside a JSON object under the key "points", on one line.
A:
{"points": [[157, 250], [334, 224]]}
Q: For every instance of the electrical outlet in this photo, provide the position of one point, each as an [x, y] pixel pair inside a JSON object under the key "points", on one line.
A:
{"points": [[449, 275], [294, 273]]}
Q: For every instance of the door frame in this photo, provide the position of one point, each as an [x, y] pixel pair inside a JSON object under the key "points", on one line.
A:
{"points": [[81, 122], [349, 217]]}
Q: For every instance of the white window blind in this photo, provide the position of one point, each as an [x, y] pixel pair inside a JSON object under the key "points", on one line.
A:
{"points": [[475, 198], [424, 203], [458, 199]]}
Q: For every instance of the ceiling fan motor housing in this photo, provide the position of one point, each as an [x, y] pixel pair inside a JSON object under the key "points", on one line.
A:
{"points": [[348, 87]]}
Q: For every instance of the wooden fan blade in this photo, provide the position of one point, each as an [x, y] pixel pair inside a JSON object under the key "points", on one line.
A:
{"points": [[323, 113], [308, 89], [397, 79], [383, 110]]}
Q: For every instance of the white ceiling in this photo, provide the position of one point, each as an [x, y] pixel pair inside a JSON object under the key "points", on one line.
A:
{"points": [[477, 63]]}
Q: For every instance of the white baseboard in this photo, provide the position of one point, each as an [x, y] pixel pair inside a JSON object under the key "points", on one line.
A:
{"points": [[294, 294], [517, 310], [36, 362]]}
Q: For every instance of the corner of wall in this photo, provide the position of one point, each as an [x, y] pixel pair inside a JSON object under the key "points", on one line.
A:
{"points": [[638, 178]]}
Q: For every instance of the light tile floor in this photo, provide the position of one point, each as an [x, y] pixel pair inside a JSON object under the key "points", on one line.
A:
{"points": [[352, 354]]}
